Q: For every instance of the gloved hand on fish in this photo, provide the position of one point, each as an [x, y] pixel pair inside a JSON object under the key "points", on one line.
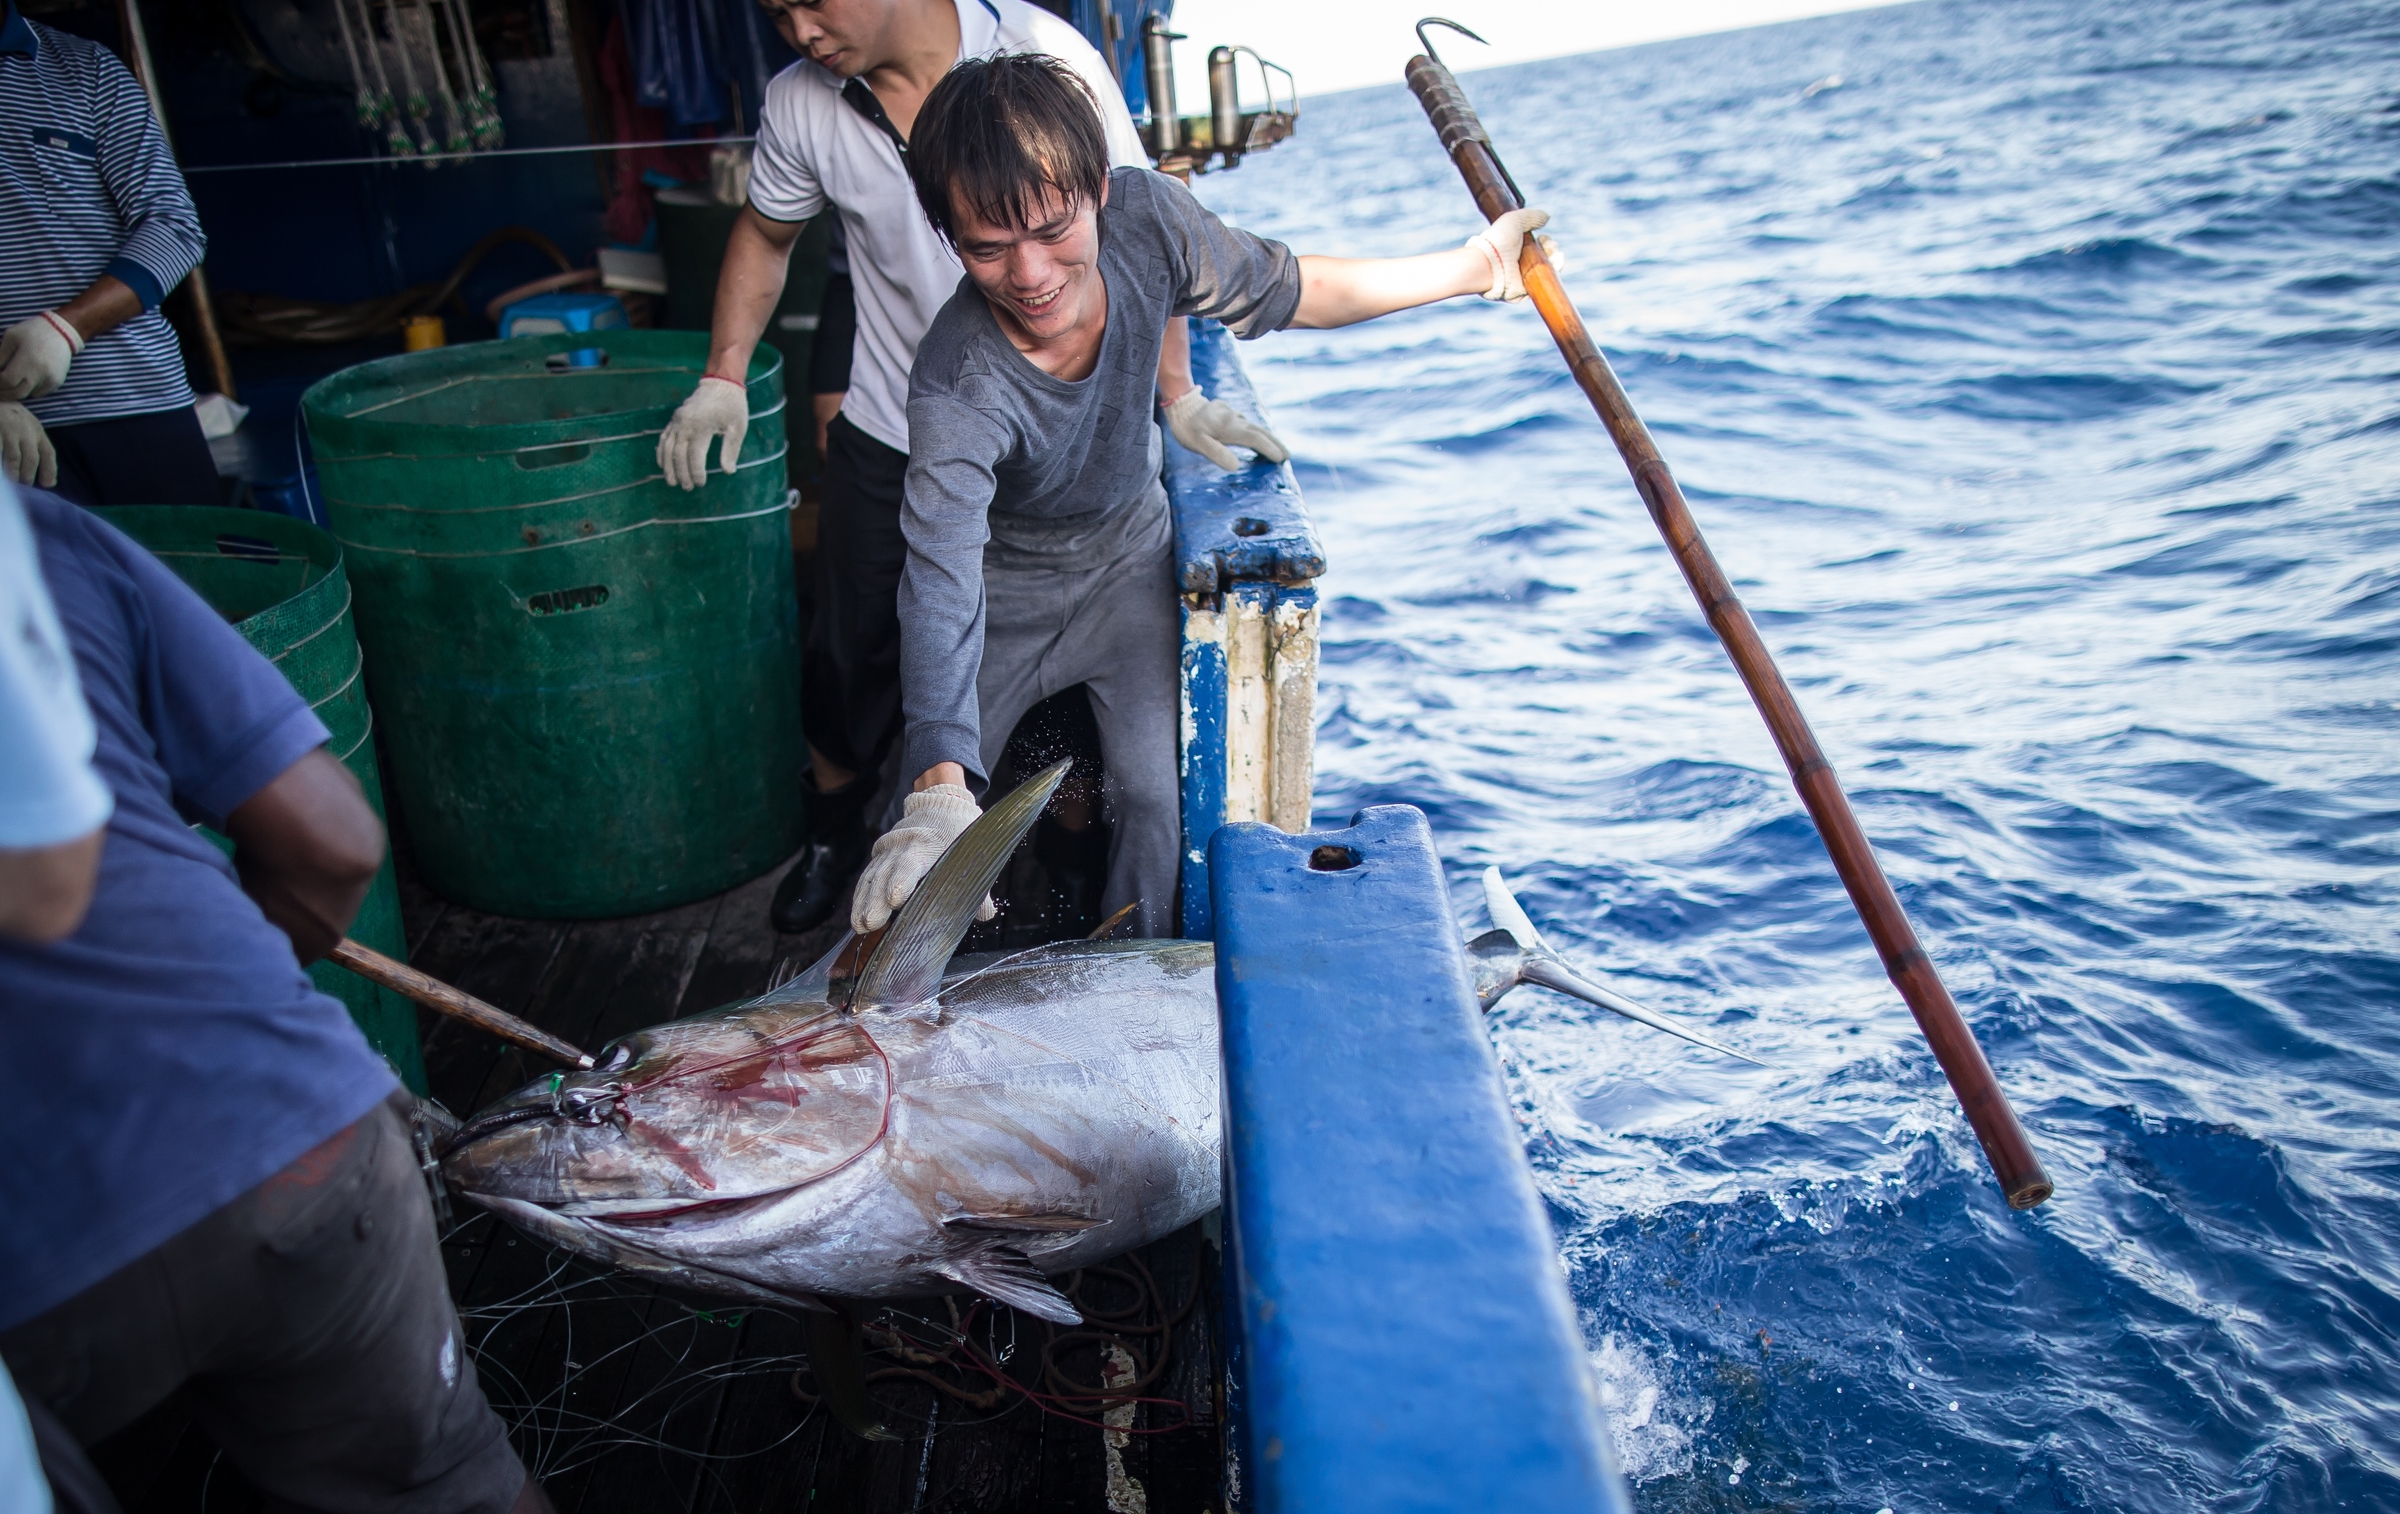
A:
{"points": [[925, 1126]]}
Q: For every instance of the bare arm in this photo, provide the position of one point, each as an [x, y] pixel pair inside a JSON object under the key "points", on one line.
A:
{"points": [[109, 302], [1175, 362], [44, 890], [307, 847], [1345, 291], [758, 253], [940, 772]]}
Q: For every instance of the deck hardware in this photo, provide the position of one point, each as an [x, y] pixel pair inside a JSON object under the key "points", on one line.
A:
{"points": [[1158, 63]]}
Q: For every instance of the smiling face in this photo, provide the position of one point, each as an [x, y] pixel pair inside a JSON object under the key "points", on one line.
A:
{"points": [[1042, 280], [846, 37]]}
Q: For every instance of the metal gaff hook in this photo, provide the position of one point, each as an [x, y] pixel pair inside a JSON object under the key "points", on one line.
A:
{"points": [[1427, 44]]}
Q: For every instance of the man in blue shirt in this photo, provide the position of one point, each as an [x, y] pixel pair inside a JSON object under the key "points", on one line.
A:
{"points": [[209, 1186], [95, 227]]}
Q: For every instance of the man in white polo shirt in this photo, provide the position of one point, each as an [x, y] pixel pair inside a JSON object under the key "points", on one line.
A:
{"points": [[834, 130]]}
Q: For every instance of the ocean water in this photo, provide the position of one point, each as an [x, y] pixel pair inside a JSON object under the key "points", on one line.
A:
{"points": [[2034, 369]]}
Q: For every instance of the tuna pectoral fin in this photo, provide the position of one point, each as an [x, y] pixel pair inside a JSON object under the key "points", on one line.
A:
{"points": [[907, 968], [1046, 1224], [1000, 1271], [839, 1364]]}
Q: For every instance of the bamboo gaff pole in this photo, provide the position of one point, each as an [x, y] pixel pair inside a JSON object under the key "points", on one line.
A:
{"points": [[2004, 1141], [458, 1004]]}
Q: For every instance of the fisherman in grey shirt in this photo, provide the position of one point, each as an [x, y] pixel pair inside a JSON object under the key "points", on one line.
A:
{"points": [[1037, 528]]}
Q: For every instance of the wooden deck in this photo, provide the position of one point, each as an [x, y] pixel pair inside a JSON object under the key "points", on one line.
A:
{"points": [[622, 1396]]}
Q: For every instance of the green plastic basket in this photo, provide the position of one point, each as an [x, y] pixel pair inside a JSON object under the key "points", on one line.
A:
{"points": [[590, 681], [280, 582]]}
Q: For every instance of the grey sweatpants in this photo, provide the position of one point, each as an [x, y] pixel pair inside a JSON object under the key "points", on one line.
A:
{"points": [[1113, 629]]}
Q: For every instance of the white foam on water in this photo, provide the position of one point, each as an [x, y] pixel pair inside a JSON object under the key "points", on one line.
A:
{"points": [[1646, 1424]]}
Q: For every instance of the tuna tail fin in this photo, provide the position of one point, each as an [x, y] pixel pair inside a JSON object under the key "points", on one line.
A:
{"points": [[1498, 969], [907, 968]]}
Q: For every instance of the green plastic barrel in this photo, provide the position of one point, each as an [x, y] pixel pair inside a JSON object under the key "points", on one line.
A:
{"points": [[280, 582], [589, 681]]}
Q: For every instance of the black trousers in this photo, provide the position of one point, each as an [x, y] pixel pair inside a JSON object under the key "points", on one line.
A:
{"points": [[837, 334], [850, 688], [311, 1318], [156, 459]]}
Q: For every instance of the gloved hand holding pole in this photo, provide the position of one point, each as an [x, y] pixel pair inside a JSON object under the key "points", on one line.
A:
{"points": [[2005, 1144]]}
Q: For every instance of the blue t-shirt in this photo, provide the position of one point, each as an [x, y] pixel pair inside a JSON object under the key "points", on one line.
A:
{"points": [[171, 1054]]}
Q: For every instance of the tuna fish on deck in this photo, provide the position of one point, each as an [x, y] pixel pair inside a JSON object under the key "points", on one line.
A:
{"points": [[911, 1131]]}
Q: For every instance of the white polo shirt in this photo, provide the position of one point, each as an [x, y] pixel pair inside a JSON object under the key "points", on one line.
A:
{"points": [[814, 148]]}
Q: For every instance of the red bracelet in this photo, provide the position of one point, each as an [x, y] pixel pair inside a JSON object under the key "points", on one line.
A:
{"points": [[722, 379], [74, 337]]}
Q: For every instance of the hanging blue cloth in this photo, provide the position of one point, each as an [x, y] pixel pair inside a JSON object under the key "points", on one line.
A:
{"points": [[677, 65], [689, 55]]}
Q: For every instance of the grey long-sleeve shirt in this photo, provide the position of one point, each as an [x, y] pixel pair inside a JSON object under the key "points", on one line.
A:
{"points": [[1012, 469]]}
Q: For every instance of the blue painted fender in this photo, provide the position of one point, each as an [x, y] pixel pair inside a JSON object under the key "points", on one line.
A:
{"points": [[1405, 1337]]}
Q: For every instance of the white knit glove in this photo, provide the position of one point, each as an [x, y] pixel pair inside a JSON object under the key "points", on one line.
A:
{"points": [[34, 354], [1213, 429], [718, 408], [903, 855], [26, 456], [1503, 242]]}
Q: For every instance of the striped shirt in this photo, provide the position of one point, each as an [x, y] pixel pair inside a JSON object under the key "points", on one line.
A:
{"points": [[88, 187]]}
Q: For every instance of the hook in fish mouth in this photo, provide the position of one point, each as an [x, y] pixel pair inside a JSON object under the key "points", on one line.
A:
{"points": [[584, 1104]]}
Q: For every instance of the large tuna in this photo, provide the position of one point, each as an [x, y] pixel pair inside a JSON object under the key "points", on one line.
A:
{"points": [[908, 1130]]}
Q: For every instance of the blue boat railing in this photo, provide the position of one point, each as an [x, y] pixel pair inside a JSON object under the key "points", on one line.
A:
{"points": [[1246, 560], [1399, 1334]]}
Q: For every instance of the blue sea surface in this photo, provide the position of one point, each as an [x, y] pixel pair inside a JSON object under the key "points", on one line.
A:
{"points": [[2034, 368]]}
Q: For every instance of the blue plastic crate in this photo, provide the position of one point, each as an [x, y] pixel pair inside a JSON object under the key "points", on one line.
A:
{"points": [[549, 314]]}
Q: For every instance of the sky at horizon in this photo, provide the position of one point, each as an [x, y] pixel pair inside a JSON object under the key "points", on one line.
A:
{"points": [[1356, 43]]}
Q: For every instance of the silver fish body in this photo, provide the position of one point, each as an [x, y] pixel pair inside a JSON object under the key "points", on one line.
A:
{"points": [[925, 1126], [1041, 1112]]}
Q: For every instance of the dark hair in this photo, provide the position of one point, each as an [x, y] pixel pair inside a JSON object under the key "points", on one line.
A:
{"points": [[999, 131]]}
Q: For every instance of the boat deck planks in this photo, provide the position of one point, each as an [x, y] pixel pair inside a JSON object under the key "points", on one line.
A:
{"points": [[626, 1397]]}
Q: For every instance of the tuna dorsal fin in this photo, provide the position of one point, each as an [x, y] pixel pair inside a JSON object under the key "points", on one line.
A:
{"points": [[907, 967], [812, 986], [1000, 1271]]}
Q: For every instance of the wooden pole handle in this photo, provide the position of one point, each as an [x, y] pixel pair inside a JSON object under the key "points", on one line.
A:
{"points": [[442, 999], [2005, 1144]]}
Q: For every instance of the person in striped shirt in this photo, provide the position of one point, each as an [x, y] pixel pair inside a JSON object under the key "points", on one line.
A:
{"points": [[95, 227]]}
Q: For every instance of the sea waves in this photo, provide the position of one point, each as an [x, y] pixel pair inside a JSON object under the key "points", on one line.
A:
{"points": [[2035, 370]]}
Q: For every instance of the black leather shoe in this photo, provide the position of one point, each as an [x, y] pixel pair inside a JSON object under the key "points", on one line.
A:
{"points": [[818, 885]]}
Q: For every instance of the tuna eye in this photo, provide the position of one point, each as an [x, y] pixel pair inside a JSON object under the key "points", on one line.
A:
{"points": [[616, 1059]]}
